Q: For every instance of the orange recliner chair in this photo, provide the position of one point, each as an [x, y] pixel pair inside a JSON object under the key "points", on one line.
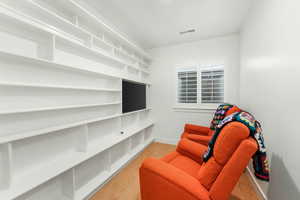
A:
{"points": [[182, 175], [203, 134]]}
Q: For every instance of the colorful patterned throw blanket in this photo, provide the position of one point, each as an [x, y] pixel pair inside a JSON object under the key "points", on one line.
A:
{"points": [[260, 162], [220, 115]]}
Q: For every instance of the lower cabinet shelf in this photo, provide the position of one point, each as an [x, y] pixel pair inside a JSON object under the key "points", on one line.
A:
{"points": [[89, 170], [92, 185], [101, 179], [91, 173], [59, 188]]}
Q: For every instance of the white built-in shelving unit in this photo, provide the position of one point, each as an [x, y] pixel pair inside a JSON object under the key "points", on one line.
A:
{"points": [[63, 134]]}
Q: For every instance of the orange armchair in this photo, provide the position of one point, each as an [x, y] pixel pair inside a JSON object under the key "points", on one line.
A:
{"points": [[182, 175], [202, 134]]}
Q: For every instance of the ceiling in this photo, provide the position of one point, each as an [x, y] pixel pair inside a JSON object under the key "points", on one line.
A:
{"points": [[155, 23]]}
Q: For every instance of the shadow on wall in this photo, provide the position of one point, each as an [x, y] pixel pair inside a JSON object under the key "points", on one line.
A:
{"points": [[281, 185]]}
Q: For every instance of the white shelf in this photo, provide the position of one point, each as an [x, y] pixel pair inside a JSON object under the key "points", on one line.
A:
{"points": [[37, 25], [88, 14], [92, 51], [42, 62], [23, 135], [130, 156], [66, 67], [92, 185], [27, 20], [99, 53], [52, 169], [127, 54], [137, 140], [80, 8], [111, 141], [75, 32], [133, 130], [98, 181], [100, 44], [134, 67], [57, 188], [41, 175], [58, 87], [57, 108], [47, 63], [77, 29], [137, 111], [124, 55], [145, 71]]}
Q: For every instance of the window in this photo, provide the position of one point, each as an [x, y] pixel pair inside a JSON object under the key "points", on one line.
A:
{"points": [[212, 86], [187, 87], [200, 85]]}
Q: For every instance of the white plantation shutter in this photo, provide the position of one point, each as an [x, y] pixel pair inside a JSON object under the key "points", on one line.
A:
{"points": [[187, 87], [197, 86], [212, 85]]}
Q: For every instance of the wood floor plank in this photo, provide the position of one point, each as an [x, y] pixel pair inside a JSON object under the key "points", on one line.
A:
{"points": [[125, 185]]}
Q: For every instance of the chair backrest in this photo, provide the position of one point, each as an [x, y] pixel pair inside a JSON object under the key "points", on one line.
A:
{"points": [[232, 151], [229, 112], [217, 118], [233, 110]]}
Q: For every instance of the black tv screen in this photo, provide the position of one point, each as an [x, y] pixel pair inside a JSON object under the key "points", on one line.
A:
{"points": [[133, 96]]}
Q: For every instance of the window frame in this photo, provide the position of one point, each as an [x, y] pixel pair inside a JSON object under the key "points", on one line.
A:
{"points": [[199, 105]]}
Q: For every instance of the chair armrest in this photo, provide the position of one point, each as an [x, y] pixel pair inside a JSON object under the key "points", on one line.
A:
{"points": [[160, 180], [195, 129], [191, 149]]}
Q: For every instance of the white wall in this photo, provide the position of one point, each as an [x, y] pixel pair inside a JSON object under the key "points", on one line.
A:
{"points": [[270, 58], [222, 50]]}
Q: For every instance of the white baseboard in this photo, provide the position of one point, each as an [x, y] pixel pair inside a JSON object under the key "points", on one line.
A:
{"points": [[258, 189], [167, 141]]}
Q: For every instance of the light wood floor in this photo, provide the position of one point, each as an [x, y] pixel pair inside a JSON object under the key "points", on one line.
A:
{"points": [[125, 185]]}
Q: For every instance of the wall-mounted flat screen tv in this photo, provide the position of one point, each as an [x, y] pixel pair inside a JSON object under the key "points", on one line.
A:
{"points": [[133, 96]]}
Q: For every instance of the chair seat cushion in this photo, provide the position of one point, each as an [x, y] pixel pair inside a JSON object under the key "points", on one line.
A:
{"points": [[183, 163]]}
